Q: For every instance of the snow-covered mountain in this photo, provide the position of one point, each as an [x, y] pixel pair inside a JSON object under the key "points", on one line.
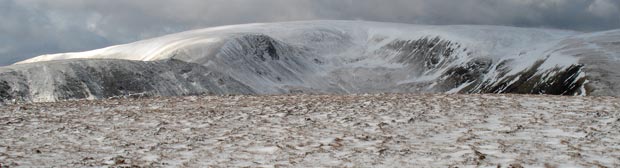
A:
{"points": [[329, 57]]}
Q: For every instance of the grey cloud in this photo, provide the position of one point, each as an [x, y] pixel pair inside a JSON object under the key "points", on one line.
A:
{"points": [[33, 27]]}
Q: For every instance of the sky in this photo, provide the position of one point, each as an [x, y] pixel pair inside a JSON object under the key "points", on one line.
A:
{"points": [[30, 28]]}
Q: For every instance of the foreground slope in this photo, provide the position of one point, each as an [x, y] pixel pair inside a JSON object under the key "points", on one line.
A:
{"points": [[385, 130], [355, 57]]}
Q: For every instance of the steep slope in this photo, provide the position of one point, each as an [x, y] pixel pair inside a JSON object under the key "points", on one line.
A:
{"points": [[96, 79], [600, 55], [370, 57]]}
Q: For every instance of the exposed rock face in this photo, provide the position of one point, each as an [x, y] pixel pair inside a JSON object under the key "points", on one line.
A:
{"points": [[425, 54], [5, 88], [471, 72], [569, 81], [328, 57]]}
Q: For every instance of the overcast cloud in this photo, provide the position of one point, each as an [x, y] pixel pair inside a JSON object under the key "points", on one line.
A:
{"points": [[33, 27]]}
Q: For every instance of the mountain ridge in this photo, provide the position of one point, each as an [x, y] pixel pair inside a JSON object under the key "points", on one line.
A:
{"points": [[357, 57]]}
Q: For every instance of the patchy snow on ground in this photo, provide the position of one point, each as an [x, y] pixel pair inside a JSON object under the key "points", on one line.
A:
{"points": [[378, 130]]}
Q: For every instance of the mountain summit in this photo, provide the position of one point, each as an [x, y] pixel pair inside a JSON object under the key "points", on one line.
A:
{"points": [[329, 57]]}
